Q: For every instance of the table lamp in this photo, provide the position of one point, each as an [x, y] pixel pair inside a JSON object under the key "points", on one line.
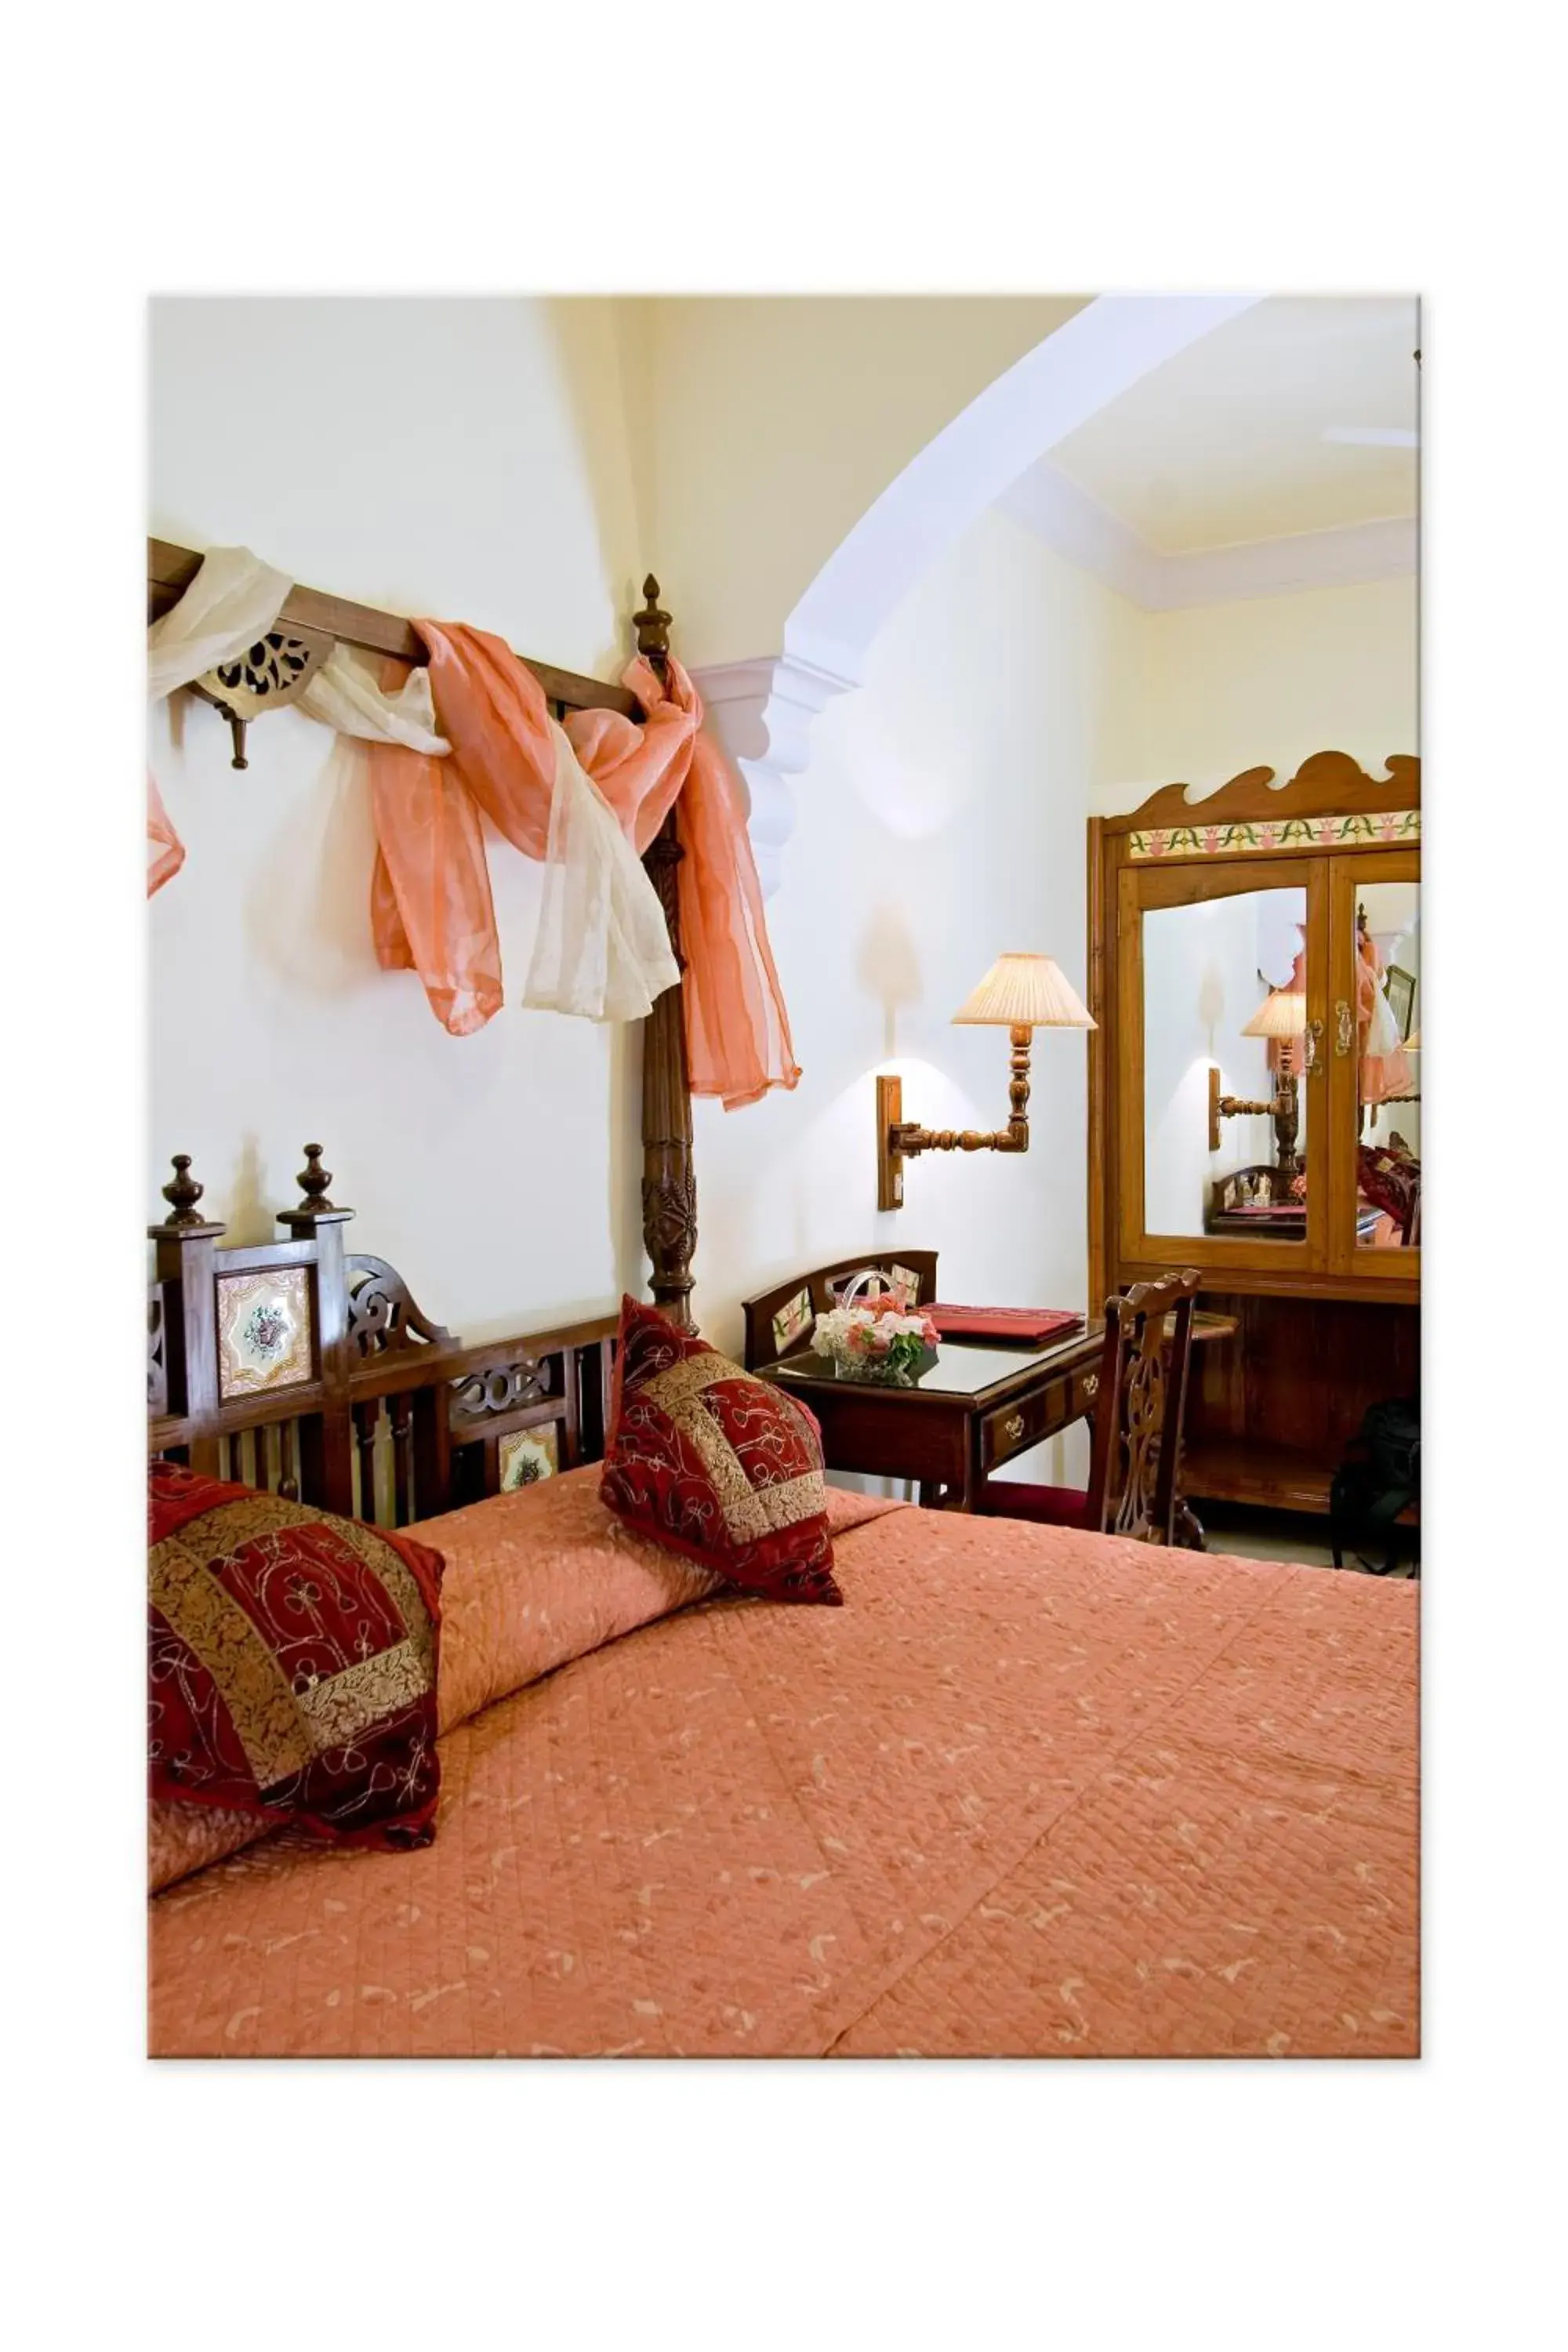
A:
{"points": [[1020, 993]]}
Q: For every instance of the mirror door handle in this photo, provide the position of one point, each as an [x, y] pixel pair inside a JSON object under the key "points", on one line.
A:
{"points": [[1344, 1030]]}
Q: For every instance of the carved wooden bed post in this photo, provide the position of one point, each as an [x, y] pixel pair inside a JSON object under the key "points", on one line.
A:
{"points": [[669, 1180], [326, 1450], [186, 1377]]}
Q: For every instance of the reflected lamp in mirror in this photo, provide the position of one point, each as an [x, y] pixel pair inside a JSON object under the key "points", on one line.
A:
{"points": [[1281, 1016], [1020, 993]]}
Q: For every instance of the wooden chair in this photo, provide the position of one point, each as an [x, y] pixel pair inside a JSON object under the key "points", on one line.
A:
{"points": [[1140, 1407]]}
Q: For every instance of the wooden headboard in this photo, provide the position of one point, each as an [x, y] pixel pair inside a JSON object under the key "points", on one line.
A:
{"points": [[308, 1369], [668, 1179]]}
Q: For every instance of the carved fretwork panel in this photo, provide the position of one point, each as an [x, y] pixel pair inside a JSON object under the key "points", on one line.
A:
{"points": [[382, 1310], [269, 676], [271, 672], [484, 1396], [1142, 1419], [157, 1364]]}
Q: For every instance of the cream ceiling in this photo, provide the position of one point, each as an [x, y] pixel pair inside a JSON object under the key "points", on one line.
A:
{"points": [[1224, 444]]}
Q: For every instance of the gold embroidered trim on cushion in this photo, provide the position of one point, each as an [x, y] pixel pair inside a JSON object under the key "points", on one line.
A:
{"points": [[213, 1625], [688, 1378], [280, 1730], [750, 1512], [340, 1706]]}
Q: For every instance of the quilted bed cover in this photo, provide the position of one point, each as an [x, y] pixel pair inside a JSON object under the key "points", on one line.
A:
{"points": [[1028, 1792]]}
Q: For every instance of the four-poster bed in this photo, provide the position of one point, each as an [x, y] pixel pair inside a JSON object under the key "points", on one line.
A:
{"points": [[1026, 1792]]}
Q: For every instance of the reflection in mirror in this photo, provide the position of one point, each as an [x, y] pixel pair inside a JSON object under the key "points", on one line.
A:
{"points": [[1387, 1014], [1226, 1052]]}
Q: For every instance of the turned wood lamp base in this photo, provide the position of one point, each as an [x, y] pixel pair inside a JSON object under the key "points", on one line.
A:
{"points": [[1020, 993], [898, 1139], [1283, 1109]]}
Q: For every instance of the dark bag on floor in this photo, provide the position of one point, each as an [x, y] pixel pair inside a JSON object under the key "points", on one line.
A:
{"points": [[1381, 1474]]}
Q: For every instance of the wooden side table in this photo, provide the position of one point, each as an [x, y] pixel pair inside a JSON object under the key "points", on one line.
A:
{"points": [[978, 1406], [973, 1410]]}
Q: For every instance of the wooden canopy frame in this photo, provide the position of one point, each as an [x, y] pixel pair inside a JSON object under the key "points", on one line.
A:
{"points": [[668, 1179]]}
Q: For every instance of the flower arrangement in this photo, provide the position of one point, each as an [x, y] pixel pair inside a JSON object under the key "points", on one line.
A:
{"points": [[875, 1339]]}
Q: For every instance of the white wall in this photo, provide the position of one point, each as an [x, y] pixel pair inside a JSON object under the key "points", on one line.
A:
{"points": [[1264, 681], [941, 824]]}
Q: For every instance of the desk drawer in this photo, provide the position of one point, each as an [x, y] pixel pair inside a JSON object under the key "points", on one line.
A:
{"points": [[1085, 1392], [1013, 1428]]}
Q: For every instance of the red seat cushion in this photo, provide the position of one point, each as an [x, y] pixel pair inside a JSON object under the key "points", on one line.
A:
{"points": [[709, 1461], [1054, 1507], [291, 1663]]}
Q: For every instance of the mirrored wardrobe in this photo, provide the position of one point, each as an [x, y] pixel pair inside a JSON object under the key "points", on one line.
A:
{"points": [[1255, 1101]]}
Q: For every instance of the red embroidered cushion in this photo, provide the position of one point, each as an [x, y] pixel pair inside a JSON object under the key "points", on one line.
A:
{"points": [[291, 1663], [1389, 1179], [706, 1459]]}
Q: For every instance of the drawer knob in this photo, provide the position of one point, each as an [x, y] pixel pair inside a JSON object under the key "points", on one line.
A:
{"points": [[1014, 1425], [1091, 1388]]}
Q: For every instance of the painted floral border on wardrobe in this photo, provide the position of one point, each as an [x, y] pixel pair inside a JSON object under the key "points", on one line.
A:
{"points": [[1394, 828]]}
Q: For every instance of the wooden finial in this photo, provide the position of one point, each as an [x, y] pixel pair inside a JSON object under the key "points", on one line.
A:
{"points": [[313, 1179], [315, 1210], [652, 626], [182, 1194]]}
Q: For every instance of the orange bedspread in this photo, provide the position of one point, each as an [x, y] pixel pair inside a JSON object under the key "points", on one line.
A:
{"points": [[1029, 1791]]}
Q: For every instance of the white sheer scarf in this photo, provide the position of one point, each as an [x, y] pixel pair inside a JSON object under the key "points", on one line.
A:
{"points": [[603, 947], [343, 695], [234, 599]]}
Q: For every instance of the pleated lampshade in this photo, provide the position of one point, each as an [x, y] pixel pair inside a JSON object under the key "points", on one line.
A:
{"points": [[1025, 992], [1282, 1014]]}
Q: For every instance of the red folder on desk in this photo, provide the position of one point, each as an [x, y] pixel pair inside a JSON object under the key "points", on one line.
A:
{"points": [[1027, 1327]]}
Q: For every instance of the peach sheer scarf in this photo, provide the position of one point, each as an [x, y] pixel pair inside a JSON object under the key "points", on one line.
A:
{"points": [[166, 850], [1385, 1074], [431, 907]]}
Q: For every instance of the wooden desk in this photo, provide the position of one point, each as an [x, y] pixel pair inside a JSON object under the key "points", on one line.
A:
{"points": [[978, 1406]]}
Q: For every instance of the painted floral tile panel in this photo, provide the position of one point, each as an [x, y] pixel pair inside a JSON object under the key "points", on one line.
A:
{"points": [[263, 1331]]}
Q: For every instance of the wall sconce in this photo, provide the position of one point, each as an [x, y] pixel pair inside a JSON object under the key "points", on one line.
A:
{"points": [[1281, 1014], [1019, 993]]}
